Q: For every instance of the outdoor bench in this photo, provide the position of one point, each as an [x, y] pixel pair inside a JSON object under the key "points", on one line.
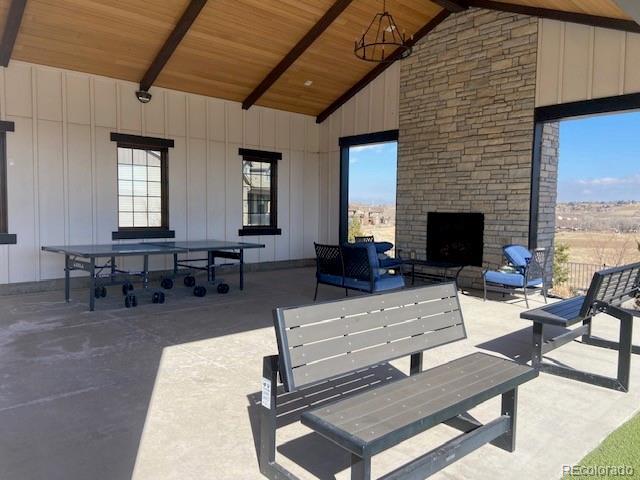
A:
{"points": [[608, 291], [323, 342]]}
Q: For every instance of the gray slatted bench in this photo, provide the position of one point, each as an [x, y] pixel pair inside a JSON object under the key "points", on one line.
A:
{"points": [[609, 289], [322, 342]]}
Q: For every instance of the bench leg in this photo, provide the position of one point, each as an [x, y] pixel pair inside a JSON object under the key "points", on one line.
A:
{"points": [[360, 468], [538, 341], [624, 352], [315, 295], [587, 323], [268, 415], [509, 408], [416, 363]]}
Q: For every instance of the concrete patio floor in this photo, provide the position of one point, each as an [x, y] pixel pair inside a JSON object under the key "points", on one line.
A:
{"points": [[170, 391]]}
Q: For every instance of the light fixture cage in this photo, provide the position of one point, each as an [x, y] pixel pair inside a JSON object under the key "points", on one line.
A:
{"points": [[382, 38]]}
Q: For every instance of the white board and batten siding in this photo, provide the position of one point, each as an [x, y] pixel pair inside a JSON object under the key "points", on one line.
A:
{"points": [[62, 166], [578, 62], [373, 109]]}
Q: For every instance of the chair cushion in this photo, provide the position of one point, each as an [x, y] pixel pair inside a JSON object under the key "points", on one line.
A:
{"points": [[330, 279], [357, 284], [507, 279], [515, 280], [517, 255], [388, 282], [389, 262]]}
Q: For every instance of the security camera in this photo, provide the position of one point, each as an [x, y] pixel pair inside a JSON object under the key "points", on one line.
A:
{"points": [[143, 96]]}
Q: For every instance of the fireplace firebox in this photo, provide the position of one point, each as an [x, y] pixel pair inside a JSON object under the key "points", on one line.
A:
{"points": [[455, 237]]}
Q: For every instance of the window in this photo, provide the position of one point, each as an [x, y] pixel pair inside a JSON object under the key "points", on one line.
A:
{"points": [[5, 236], [142, 187], [259, 192]]}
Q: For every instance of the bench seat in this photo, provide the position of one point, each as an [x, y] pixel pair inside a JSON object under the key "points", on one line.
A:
{"points": [[563, 314], [372, 421]]}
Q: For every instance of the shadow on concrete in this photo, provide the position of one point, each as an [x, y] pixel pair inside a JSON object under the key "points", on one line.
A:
{"points": [[314, 453], [76, 385], [517, 345]]}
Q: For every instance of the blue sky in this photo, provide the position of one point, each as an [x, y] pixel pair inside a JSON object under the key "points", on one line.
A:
{"points": [[600, 158], [372, 173]]}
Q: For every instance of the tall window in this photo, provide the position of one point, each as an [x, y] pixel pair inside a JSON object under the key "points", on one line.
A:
{"points": [[5, 236], [259, 192], [142, 189]]}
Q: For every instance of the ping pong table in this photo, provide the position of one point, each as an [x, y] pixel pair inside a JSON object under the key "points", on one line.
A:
{"points": [[88, 258]]}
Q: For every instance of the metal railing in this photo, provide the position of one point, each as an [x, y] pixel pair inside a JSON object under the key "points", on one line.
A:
{"points": [[580, 275]]}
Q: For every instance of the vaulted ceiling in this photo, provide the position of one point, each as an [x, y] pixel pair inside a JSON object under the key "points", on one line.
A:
{"points": [[252, 51]]}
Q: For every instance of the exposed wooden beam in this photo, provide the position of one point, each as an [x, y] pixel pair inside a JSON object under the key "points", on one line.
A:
{"points": [[454, 6], [381, 67], [180, 30], [571, 17], [11, 28], [305, 42], [631, 7]]}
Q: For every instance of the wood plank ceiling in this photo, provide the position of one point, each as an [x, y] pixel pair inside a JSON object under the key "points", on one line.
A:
{"points": [[233, 45]]}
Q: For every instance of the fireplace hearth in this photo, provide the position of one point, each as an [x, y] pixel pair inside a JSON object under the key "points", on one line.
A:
{"points": [[455, 237]]}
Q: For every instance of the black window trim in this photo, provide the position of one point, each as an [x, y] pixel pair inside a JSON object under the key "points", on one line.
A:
{"points": [[272, 158], [148, 143], [6, 238]]}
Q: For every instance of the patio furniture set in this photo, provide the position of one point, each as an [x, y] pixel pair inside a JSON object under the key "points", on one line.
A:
{"points": [[322, 344]]}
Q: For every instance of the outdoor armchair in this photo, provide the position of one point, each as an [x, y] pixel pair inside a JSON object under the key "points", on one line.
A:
{"points": [[525, 270]]}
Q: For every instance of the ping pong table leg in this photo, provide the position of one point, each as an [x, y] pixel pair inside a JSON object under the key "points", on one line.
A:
{"points": [[175, 264], [145, 272], [92, 284], [211, 267], [67, 279], [241, 269], [113, 270]]}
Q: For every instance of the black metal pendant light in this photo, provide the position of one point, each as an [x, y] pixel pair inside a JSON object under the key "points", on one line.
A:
{"points": [[381, 38]]}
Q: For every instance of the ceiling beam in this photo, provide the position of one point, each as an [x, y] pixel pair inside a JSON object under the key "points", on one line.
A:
{"points": [[454, 6], [11, 28], [571, 17], [179, 31], [631, 8], [303, 44], [381, 67]]}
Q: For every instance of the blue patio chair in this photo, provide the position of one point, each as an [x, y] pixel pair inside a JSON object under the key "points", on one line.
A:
{"points": [[381, 247], [526, 271], [363, 272]]}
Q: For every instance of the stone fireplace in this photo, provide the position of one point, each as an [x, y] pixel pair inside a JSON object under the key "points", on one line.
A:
{"points": [[467, 99]]}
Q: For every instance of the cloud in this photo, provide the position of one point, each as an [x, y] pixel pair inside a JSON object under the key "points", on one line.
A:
{"points": [[600, 189], [371, 147], [630, 180]]}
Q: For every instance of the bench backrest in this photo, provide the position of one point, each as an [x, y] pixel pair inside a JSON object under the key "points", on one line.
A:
{"points": [[325, 340], [613, 286]]}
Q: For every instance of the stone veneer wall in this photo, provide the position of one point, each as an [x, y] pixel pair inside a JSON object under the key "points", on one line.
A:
{"points": [[467, 97], [548, 191]]}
